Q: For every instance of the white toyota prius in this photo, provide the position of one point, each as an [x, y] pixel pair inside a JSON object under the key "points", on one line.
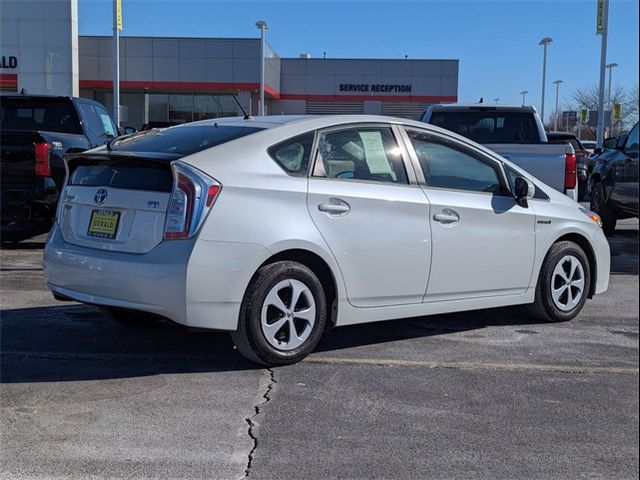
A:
{"points": [[277, 228]]}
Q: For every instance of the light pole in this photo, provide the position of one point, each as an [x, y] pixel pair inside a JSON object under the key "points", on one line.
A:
{"points": [[557, 84], [496, 100], [602, 27], [544, 42], [524, 94], [610, 66], [263, 27]]}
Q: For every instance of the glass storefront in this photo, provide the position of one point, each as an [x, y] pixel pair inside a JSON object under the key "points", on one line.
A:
{"points": [[140, 108]]}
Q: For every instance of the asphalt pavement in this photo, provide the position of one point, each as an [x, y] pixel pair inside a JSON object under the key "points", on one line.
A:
{"points": [[487, 395]]}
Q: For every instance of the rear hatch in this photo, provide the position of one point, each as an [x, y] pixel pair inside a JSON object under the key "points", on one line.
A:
{"points": [[116, 202], [117, 198]]}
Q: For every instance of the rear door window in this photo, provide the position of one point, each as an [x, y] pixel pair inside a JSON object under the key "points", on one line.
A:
{"points": [[361, 153]]}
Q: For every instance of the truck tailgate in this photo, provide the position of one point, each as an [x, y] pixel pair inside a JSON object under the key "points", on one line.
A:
{"points": [[545, 161]]}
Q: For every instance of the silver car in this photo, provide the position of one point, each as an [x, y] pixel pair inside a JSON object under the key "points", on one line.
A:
{"points": [[277, 228]]}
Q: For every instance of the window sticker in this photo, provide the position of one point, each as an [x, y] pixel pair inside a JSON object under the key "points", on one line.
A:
{"points": [[375, 153]]}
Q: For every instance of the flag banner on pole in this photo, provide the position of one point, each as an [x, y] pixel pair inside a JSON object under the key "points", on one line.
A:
{"points": [[600, 26], [617, 111], [119, 19]]}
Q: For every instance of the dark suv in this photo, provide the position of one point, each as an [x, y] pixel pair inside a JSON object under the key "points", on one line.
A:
{"points": [[614, 179]]}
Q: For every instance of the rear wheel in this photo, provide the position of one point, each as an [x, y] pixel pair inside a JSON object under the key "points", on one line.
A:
{"points": [[603, 208], [563, 284], [282, 316]]}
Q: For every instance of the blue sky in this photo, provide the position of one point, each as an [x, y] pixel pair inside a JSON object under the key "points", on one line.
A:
{"points": [[495, 41]]}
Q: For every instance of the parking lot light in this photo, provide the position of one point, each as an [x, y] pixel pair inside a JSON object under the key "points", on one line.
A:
{"points": [[263, 27], [544, 42], [557, 84], [524, 94]]}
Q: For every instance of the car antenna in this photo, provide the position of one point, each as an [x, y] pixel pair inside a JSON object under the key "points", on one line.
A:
{"points": [[246, 115]]}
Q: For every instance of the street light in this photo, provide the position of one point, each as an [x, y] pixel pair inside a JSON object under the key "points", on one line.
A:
{"points": [[557, 84], [524, 94], [610, 66], [496, 100], [262, 26], [544, 42]]}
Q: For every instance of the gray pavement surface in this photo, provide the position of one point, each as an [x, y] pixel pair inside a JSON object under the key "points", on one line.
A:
{"points": [[488, 395]]}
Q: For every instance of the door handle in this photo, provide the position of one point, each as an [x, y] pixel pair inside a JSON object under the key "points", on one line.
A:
{"points": [[335, 206], [447, 216]]}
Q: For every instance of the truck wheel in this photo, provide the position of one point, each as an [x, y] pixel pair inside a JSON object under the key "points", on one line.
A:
{"points": [[603, 208], [282, 316], [563, 283]]}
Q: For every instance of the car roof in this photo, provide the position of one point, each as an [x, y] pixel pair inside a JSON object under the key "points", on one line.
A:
{"points": [[312, 121]]}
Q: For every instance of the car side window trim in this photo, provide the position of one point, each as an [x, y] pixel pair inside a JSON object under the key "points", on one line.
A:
{"points": [[317, 170], [463, 148]]}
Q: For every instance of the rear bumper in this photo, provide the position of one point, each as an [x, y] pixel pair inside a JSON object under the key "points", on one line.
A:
{"points": [[195, 283]]}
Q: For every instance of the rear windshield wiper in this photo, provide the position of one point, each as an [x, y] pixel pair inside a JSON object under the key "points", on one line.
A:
{"points": [[111, 143]]}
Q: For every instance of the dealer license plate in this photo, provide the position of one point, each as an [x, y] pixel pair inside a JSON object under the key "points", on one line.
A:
{"points": [[104, 224]]}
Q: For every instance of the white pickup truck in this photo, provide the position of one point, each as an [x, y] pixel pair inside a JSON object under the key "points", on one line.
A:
{"points": [[517, 134]]}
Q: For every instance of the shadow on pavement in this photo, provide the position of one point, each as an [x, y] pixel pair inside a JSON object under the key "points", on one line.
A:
{"points": [[624, 252], [76, 343]]}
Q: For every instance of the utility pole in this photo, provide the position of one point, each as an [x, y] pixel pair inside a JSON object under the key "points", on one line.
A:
{"points": [[602, 25]]}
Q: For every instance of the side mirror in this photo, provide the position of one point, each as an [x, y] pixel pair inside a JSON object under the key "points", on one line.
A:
{"points": [[597, 150], [129, 130], [524, 191]]}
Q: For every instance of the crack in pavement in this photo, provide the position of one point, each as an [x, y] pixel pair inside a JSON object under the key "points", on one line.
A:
{"points": [[252, 424]]}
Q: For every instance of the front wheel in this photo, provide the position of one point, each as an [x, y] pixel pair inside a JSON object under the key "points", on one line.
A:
{"points": [[603, 208], [563, 284], [283, 315]]}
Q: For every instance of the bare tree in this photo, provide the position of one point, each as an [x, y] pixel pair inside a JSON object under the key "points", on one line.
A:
{"points": [[588, 97]]}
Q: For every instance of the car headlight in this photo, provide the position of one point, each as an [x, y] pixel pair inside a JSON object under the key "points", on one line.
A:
{"points": [[593, 216]]}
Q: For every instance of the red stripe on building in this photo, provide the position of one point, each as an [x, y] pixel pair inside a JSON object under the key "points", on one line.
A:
{"points": [[201, 86], [360, 98], [8, 79]]}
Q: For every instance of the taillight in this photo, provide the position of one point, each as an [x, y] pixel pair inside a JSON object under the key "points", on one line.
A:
{"points": [[41, 154], [570, 171], [193, 195]]}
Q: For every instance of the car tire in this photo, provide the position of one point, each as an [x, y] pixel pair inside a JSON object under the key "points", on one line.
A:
{"points": [[283, 315], [564, 275], [603, 208], [130, 318]]}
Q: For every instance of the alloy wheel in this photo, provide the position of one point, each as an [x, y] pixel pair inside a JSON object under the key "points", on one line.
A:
{"points": [[567, 283], [288, 314]]}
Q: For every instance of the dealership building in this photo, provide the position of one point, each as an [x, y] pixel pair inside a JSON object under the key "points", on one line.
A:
{"points": [[176, 80]]}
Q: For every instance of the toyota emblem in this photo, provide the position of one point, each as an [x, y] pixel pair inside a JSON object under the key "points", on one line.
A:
{"points": [[101, 196]]}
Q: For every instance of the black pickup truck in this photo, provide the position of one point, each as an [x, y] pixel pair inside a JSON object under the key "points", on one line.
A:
{"points": [[35, 134], [614, 180]]}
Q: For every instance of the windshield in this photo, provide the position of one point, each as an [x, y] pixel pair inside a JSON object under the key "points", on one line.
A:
{"points": [[489, 126], [182, 140]]}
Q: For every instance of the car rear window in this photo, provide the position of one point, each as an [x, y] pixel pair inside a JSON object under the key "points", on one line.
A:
{"points": [[489, 126], [183, 140], [38, 113], [130, 174]]}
